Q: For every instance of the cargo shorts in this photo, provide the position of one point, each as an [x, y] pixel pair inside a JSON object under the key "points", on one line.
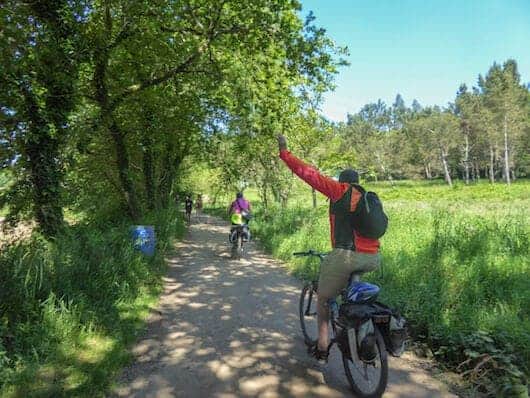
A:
{"points": [[337, 267]]}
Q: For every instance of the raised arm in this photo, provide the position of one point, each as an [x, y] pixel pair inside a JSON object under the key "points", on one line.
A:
{"points": [[323, 184]]}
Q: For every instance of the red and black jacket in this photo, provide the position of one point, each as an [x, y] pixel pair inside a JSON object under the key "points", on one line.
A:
{"points": [[343, 201]]}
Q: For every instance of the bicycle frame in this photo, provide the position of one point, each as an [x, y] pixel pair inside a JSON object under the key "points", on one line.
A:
{"points": [[237, 244]]}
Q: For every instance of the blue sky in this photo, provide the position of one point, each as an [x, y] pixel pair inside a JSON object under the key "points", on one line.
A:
{"points": [[421, 49]]}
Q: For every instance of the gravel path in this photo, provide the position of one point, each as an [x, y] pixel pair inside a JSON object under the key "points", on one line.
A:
{"points": [[228, 328]]}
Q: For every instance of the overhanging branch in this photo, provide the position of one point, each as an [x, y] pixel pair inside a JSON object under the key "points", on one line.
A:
{"points": [[135, 88]]}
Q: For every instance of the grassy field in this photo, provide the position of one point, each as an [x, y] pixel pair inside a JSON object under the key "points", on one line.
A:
{"points": [[456, 262], [70, 307]]}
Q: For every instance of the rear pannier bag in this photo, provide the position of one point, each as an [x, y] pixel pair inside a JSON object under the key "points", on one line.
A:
{"points": [[389, 321]]}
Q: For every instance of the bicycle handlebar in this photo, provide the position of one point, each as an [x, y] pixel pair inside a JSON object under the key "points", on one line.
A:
{"points": [[310, 252]]}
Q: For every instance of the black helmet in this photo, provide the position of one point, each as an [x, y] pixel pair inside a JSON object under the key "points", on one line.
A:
{"points": [[349, 175], [239, 195]]}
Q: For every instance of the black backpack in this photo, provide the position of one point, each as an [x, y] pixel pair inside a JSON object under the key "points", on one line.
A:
{"points": [[369, 219]]}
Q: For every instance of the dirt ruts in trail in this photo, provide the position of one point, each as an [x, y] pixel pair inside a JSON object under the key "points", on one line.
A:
{"points": [[227, 328]]}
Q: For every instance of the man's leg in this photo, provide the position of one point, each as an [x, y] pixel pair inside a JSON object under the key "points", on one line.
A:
{"points": [[334, 274], [364, 262], [323, 323]]}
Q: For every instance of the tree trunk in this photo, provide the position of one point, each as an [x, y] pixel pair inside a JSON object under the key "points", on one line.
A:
{"points": [[466, 160], [170, 166], [388, 175], [42, 151], [117, 136], [122, 161], [47, 111], [506, 158], [148, 170], [428, 174], [275, 194], [492, 165], [446, 168], [264, 197], [314, 195], [283, 199]]}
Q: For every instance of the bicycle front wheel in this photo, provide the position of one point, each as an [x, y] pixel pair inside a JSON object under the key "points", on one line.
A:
{"points": [[308, 314], [368, 380]]}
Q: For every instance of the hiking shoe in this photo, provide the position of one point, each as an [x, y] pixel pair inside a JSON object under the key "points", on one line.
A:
{"points": [[320, 355]]}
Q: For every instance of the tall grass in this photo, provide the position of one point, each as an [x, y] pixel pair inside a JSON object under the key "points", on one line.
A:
{"points": [[68, 308], [455, 261]]}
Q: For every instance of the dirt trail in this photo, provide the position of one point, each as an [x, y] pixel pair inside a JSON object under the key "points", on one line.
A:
{"points": [[230, 329]]}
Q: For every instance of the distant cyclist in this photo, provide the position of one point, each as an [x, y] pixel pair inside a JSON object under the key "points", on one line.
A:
{"points": [[188, 205], [198, 204], [351, 251], [239, 212]]}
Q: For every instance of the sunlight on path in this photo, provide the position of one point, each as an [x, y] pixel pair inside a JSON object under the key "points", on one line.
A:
{"points": [[228, 328]]}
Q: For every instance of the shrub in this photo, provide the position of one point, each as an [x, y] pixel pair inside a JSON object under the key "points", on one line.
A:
{"points": [[68, 307]]}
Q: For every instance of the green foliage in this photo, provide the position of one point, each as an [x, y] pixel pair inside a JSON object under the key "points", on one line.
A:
{"points": [[69, 307], [39, 71], [455, 262], [5, 182], [484, 134], [115, 95]]}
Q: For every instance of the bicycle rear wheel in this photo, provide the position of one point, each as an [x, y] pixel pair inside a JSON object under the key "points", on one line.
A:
{"points": [[368, 380], [308, 314], [237, 247]]}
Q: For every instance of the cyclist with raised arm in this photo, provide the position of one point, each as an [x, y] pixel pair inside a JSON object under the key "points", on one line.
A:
{"points": [[351, 252]]}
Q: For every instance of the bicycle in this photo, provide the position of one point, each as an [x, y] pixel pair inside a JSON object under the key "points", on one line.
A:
{"points": [[239, 234], [345, 320]]}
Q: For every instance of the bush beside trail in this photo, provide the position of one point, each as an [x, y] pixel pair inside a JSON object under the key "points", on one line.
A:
{"points": [[69, 307]]}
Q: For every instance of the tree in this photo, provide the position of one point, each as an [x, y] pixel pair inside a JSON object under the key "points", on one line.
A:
{"points": [[434, 132], [466, 104], [309, 131], [416, 107], [419, 144], [507, 100], [232, 47], [398, 112], [40, 60]]}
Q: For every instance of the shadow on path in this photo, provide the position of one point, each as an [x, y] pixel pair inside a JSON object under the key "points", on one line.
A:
{"points": [[228, 328]]}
